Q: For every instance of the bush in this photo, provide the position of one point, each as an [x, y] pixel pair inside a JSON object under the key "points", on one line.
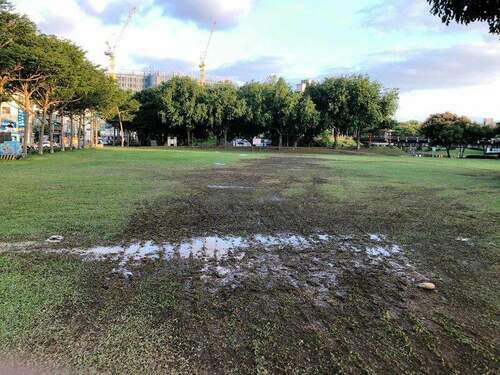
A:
{"points": [[326, 140]]}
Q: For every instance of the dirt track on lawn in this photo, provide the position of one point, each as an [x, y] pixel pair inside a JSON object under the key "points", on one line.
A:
{"points": [[246, 199]]}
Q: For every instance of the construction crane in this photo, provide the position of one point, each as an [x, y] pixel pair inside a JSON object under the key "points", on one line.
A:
{"points": [[111, 48], [204, 54]]}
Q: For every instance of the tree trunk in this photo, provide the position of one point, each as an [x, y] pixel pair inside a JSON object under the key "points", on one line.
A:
{"points": [[27, 127], [448, 152], [1, 112], [188, 134], [225, 138], [91, 131], [122, 134], [51, 133], [335, 137], [81, 132], [84, 132], [42, 132], [96, 133], [358, 136], [61, 138], [71, 131], [280, 142]]}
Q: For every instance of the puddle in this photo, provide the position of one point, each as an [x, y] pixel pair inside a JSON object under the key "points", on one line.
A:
{"points": [[201, 247], [55, 239], [228, 187], [221, 248], [306, 261], [377, 237]]}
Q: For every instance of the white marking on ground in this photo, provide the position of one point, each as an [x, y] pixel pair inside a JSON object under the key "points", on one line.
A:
{"points": [[229, 187]]}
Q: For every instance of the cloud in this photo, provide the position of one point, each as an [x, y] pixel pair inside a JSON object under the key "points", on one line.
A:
{"points": [[109, 11], [227, 13], [445, 68], [56, 25], [165, 65], [254, 69], [393, 15]]}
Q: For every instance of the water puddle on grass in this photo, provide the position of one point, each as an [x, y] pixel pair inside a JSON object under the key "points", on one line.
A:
{"points": [[229, 187], [221, 248], [315, 263], [202, 247]]}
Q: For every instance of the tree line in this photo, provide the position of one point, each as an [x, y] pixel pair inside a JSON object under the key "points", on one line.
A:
{"points": [[49, 77], [181, 107], [450, 131]]}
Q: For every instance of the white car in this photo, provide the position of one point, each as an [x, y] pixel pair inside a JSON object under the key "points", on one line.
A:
{"points": [[241, 143]]}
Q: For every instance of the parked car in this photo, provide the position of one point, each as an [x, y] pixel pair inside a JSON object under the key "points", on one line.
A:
{"points": [[241, 143]]}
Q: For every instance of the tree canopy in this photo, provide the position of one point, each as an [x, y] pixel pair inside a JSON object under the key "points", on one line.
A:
{"points": [[467, 11]]}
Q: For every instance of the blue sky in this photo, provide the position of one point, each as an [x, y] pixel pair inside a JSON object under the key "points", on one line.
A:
{"points": [[437, 68]]}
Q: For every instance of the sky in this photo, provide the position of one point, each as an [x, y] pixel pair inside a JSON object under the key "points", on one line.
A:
{"points": [[436, 67]]}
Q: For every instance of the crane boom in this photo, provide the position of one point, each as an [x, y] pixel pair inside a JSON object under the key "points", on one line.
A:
{"points": [[111, 48], [204, 54]]}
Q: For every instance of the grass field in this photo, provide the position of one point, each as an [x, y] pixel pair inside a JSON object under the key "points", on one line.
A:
{"points": [[89, 195], [346, 302]]}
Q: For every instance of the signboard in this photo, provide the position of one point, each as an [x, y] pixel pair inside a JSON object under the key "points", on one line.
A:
{"points": [[7, 124], [21, 116], [10, 148]]}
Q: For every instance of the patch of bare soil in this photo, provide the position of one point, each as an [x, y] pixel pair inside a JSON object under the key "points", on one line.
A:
{"points": [[241, 200]]}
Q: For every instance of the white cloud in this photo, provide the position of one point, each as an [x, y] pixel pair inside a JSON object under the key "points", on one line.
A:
{"points": [[478, 101], [227, 13]]}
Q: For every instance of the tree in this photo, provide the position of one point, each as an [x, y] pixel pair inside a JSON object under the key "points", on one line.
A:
{"points": [[368, 104], [27, 80], [180, 98], [408, 129], [474, 134], [16, 33], [467, 11], [121, 109], [148, 121], [446, 130], [330, 97], [306, 119], [281, 104], [257, 116], [58, 66], [224, 107]]}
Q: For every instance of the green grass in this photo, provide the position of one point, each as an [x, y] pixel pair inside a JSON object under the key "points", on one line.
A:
{"points": [[164, 320], [88, 194]]}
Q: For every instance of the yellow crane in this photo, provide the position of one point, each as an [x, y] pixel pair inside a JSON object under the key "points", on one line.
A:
{"points": [[204, 54], [111, 48]]}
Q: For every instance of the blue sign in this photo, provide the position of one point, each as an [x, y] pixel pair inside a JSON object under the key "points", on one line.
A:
{"points": [[7, 124], [20, 119], [10, 148]]}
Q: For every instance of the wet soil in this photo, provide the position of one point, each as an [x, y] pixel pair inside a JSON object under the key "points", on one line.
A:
{"points": [[243, 200]]}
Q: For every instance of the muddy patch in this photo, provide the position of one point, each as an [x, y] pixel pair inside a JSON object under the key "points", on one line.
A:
{"points": [[314, 265]]}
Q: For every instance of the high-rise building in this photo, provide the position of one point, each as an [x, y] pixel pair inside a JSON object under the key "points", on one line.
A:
{"points": [[303, 85], [138, 81], [131, 81], [489, 122]]}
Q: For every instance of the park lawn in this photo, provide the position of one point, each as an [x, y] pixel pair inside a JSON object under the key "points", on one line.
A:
{"points": [[58, 309], [89, 195]]}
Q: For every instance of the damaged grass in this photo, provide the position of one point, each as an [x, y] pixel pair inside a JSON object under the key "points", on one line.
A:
{"points": [[327, 308]]}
